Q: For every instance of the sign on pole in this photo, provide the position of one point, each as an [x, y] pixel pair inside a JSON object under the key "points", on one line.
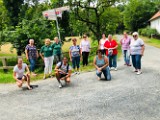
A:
{"points": [[53, 14]]}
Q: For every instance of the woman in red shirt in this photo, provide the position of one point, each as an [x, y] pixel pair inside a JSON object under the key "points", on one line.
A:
{"points": [[111, 51]]}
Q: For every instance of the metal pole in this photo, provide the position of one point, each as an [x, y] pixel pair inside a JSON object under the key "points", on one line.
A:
{"points": [[57, 26]]}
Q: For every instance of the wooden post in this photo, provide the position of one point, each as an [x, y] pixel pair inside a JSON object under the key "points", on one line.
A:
{"points": [[4, 63]]}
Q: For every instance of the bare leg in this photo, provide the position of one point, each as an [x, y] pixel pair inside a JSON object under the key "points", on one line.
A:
{"points": [[28, 81]]}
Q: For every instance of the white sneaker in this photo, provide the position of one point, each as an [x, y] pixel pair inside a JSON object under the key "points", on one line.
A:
{"points": [[115, 69], [78, 73], [60, 85], [139, 72]]}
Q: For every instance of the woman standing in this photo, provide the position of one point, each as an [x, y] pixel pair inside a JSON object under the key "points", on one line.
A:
{"points": [[101, 44], [74, 54], [111, 51], [46, 54], [57, 49], [137, 51], [125, 42], [85, 49], [31, 55], [101, 64]]}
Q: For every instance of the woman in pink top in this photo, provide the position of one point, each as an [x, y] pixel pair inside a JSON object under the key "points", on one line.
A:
{"points": [[125, 42], [85, 49], [101, 44]]}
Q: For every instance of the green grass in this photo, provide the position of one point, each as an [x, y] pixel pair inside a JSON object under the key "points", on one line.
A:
{"points": [[151, 41]]}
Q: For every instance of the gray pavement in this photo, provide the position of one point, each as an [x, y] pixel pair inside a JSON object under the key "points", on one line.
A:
{"points": [[126, 97]]}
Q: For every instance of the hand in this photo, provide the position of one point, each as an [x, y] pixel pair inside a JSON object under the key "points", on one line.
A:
{"points": [[27, 58], [71, 59], [142, 54], [99, 69], [81, 58]]}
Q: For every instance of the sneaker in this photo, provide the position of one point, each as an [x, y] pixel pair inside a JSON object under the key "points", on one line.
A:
{"points": [[60, 85], [135, 70], [139, 72], [74, 73], [115, 69], [78, 73]]}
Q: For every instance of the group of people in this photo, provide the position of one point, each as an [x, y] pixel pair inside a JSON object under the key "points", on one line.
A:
{"points": [[104, 61]]}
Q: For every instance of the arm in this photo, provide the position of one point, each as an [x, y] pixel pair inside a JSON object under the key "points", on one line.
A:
{"points": [[107, 63], [14, 76], [94, 63], [42, 56], [37, 54], [26, 51], [69, 73], [143, 48], [27, 69], [99, 45], [70, 55]]}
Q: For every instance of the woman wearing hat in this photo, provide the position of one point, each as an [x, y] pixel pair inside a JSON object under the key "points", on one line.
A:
{"points": [[137, 51]]}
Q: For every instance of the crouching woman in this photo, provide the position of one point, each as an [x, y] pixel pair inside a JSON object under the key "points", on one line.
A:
{"points": [[101, 64], [19, 74]]}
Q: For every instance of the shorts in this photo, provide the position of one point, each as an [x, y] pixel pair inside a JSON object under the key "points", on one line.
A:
{"points": [[22, 77], [62, 75]]}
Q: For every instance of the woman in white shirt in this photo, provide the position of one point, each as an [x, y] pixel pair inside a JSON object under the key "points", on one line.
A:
{"points": [[19, 74], [137, 51], [85, 49], [101, 44]]}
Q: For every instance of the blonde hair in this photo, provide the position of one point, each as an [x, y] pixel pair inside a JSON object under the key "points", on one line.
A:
{"points": [[47, 40]]}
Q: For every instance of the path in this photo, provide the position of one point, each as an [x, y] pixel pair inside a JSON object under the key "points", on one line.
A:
{"points": [[127, 97]]}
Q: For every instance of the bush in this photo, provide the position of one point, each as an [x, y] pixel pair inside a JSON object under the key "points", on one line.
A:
{"points": [[149, 32]]}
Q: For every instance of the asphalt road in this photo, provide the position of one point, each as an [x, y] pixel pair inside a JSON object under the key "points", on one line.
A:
{"points": [[126, 97]]}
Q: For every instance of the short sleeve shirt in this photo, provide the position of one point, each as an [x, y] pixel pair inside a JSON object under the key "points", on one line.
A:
{"points": [[32, 51], [63, 67], [47, 50], [85, 45], [111, 44], [56, 48], [20, 72], [75, 51], [136, 46]]}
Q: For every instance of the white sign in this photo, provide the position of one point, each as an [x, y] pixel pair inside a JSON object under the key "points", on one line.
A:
{"points": [[53, 13]]}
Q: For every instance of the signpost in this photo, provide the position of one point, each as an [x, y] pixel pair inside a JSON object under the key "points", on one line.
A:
{"points": [[53, 14]]}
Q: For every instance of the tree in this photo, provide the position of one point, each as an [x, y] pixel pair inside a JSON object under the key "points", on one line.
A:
{"points": [[13, 9], [3, 21], [90, 12], [137, 13], [38, 29]]}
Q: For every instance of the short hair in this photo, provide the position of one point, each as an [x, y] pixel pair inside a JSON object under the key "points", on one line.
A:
{"points": [[99, 51], [47, 39], [135, 33], [31, 39], [56, 38]]}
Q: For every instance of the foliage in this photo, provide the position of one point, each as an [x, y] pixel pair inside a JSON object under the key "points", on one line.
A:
{"points": [[90, 12], [148, 31], [13, 9], [38, 29], [137, 13]]}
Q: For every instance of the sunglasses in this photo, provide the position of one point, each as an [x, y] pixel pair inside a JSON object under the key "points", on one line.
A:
{"points": [[134, 35]]}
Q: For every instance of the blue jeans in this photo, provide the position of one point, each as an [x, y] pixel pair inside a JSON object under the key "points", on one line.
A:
{"points": [[126, 56], [75, 62], [106, 73], [136, 61], [32, 64], [112, 61]]}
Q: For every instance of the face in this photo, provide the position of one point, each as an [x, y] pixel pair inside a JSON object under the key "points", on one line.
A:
{"points": [[99, 53], [103, 35], [84, 36], [65, 60], [135, 37], [47, 42], [56, 40], [31, 42], [109, 37], [125, 34], [74, 41], [20, 62]]}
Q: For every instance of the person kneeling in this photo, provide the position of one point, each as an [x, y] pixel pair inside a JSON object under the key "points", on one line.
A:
{"points": [[63, 72], [19, 74], [101, 64]]}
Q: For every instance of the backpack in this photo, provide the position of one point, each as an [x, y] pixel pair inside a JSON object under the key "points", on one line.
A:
{"points": [[67, 66]]}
